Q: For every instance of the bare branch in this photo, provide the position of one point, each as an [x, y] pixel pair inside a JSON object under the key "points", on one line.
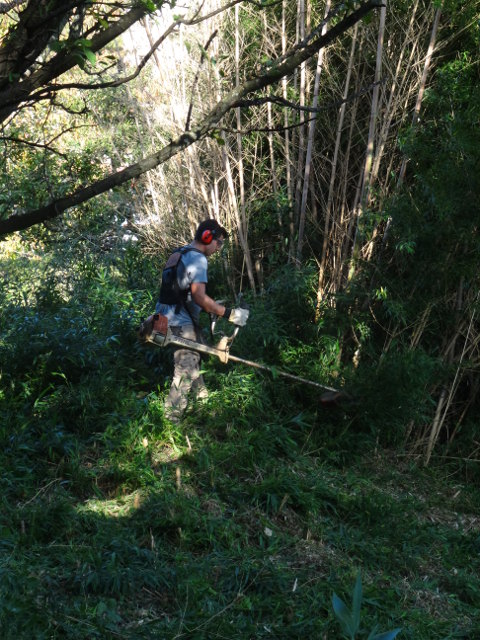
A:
{"points": [[120, 81], [197, 75], [203, 129], [296, 107], [29, 143], [16, 93], [5, 7]]}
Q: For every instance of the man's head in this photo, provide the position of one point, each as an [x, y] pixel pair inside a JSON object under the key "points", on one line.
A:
{"points": [[210, 236]]}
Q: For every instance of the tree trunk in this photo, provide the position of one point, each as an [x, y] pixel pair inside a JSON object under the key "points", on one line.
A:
{"points": [[423, 83], [310, 141], [243, 226], [333, 174]]}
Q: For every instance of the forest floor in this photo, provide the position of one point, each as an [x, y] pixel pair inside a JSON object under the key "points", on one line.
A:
{"points": [[225, 527]]}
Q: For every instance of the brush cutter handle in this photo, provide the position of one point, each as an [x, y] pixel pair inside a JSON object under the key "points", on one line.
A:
{"points": [[225, 341], [239, 316]]}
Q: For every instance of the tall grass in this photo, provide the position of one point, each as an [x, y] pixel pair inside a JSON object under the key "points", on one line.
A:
{"points": [[243, 521]]}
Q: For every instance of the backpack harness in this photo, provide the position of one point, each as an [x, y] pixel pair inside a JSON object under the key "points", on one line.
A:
{"points": [[170, 291]]}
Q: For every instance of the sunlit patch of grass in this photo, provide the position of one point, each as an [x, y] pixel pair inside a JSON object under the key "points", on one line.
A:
{"points": [[118, 508], [241, 521]]}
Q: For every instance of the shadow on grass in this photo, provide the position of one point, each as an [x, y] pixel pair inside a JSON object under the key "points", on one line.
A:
{"points": [[235, 524]]}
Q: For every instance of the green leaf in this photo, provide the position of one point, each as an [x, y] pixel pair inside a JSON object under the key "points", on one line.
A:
{"points": [[344, 616], [57, 46], [216, 135], [83, 43], [79, 59], [357, 602], [388, 635], [90, 56], [149, 4]]}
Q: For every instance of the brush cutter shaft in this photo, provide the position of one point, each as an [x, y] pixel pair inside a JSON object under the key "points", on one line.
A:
{"points": [[274, 371], [162, 340], [224, 356]]}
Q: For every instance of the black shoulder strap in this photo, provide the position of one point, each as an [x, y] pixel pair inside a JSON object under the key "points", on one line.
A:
{"points": [[184, 250], [176, 256], [186, 302], [170, 292]]}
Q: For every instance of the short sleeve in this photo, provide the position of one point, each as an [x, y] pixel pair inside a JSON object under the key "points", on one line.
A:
{"points": [[195, 269]]}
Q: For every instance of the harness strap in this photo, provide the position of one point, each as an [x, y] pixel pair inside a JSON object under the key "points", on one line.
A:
{"points": [[176, 295]]}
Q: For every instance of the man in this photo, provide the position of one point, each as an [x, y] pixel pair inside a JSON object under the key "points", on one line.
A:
{"points": [[182, 297]]}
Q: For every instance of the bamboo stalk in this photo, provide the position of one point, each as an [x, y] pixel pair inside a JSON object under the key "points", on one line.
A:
{"points": [[423, 83], [300, 132], [364, 191], [310, 141], [288, 170], [391, 108], [441, 412], [270, 134], [333, 174], [243, 226]]}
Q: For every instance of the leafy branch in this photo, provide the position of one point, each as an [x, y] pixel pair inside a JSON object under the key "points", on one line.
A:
{"points": [[210, 122]]}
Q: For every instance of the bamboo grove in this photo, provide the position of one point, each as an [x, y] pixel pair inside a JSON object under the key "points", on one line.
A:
{"points": [[323, 167], [360, 163]]}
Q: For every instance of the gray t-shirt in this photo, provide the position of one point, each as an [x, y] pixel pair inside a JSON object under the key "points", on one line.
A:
{"points": [[192, 268]]}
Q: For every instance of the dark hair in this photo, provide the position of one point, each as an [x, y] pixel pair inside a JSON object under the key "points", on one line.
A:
{"points": [[213, 226]]}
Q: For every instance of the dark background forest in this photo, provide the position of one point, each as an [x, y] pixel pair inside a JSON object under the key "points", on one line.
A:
{"points": [[340, 147]]}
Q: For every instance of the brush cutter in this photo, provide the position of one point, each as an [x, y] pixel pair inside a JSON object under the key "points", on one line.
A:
{"points": [[155, 330]]}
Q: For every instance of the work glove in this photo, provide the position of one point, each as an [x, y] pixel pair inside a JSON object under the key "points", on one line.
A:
{"points": [[238, 316]]}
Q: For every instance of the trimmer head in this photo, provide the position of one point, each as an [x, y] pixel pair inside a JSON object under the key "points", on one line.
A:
{"points": [[336, 398]]}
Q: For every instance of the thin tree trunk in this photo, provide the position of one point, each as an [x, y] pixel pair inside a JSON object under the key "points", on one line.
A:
{"points": [[434, 431], [347, 214], [288, 168], [270, 134], [392, 106], [310, 141], [445, 401], [364, 194], [146, 25], [423, 83], [300, 132], [364, 197], [333, 175], [243, 227]]}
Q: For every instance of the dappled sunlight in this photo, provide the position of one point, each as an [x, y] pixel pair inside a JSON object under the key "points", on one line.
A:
{"points": [[339, 149]]}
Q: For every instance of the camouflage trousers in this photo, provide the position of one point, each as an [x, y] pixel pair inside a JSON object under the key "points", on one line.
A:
{"points": [[187, 379]]}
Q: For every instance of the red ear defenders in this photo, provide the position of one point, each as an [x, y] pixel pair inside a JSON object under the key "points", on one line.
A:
{"points": [[208, 235]]}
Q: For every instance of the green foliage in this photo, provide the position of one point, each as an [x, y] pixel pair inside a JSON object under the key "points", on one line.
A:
{"points": [[350, 618], [438, 218], [256, 510], [153, 5], [80, 49], [248, 515]]}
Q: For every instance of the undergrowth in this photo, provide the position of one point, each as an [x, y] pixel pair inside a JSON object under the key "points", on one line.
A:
{"points": [[242, 522]]}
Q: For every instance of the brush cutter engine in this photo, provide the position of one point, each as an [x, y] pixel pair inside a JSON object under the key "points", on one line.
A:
{"points": [[155, 330]]}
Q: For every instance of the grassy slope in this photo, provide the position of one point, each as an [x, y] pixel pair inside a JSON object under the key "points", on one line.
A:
{"points": [[230, 526], [241, 523]]}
